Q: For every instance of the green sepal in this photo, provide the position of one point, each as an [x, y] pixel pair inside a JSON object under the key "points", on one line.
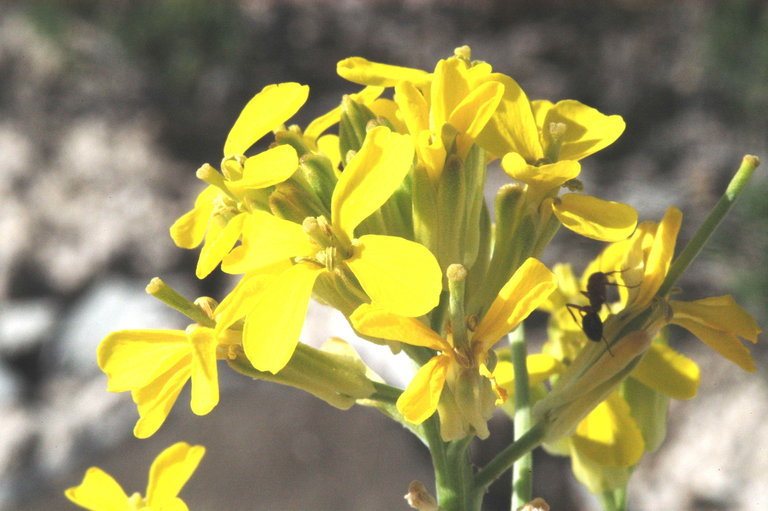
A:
{"points": [[294, 202], [353, 124], [479, 270], [320, 176], [649, 409], [510, 201], [474, 172], [451, 197], [426, 221], [293, 139], [336, 379]]}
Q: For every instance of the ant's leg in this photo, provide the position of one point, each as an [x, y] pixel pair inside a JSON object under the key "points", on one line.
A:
{"points": [[580, 308]]}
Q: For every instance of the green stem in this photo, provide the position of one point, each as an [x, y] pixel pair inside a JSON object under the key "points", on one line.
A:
{"points": [[453, 470], [385, 393], [615, 500], [691, 250], [522, 469], [501, 463], [457, 275]]}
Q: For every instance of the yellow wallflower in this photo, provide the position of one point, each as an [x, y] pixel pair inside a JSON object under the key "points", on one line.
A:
{"points": [[527, 288], [612, 437], [451, 97], [154, 365], [286, 258], [645, 260], [169, 473], [220, 210]]}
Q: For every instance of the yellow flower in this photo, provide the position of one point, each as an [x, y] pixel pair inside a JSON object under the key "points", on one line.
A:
{"points": [[644, 261], [220, 210], [611, 439], [583, 214], [452, 102], [156, 364], [449, 106], [286, 258], [169, 473], [528, 287]]}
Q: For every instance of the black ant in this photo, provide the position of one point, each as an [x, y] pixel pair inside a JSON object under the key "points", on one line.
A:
{"points": [[597, 294]]}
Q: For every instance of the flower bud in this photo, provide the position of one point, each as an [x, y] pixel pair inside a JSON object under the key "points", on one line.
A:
{"points": [[334, 374], [466, 404], [353, 124], [419, 498], [588, 380], [293, 202], [320, 176]]}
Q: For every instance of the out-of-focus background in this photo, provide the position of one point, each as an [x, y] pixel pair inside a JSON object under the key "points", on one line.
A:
{"points": [[107, 108]]}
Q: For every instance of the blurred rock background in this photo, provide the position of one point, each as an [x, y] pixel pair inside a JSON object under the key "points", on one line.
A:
{"points": [[107, 108]]}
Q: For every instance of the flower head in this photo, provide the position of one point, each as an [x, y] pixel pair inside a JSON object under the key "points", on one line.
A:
{"points": [[169, 473], [287, 258], [459, 368], [154, 365], [220, 210]]}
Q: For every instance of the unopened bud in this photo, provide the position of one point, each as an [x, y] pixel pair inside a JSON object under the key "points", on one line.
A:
{"points": [[419, 498], [537, 504]]}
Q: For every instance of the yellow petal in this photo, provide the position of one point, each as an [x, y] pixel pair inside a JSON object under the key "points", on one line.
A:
{"points": [[431, 153], [170, 472], [329, 146], [719, 312], [419, 401], [541, 108], [540, 367], [268, 240], [265, 112], [413, 107], [595, 218], [273, 326], [218, 242], [513, 127], [365, 72], [399, 275], [449, 87], [155, 401], [377, 322], [587, 130], [726, 344], [242, 299], [529, 287], [98, 492], [659, 256], [205, 377], [597, 478], [609, 436], [134, 358], [189, 230], [668, 372], [542, 178], [267, 168], [373, 175], [388, 109], [475, 110]]}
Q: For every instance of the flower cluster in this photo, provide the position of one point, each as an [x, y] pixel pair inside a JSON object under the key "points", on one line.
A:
{"points": [[377, 208]]}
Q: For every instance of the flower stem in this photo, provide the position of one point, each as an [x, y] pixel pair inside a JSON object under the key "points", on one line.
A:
{"points": [[453, 470], [498, 465], [692, 249], [522, 469]]}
